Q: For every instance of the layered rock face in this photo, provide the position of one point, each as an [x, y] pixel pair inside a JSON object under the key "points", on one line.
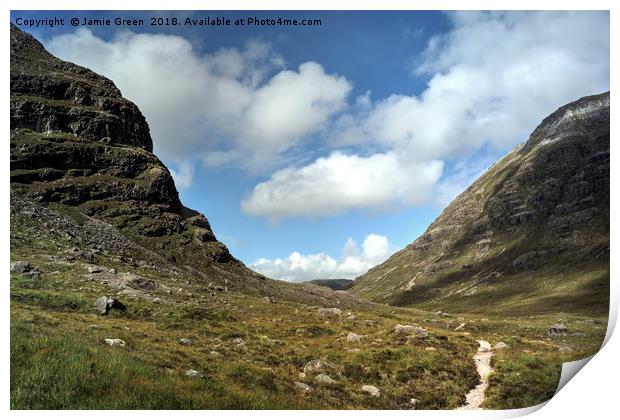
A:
{"points": [[532, 234], [78, 145]]}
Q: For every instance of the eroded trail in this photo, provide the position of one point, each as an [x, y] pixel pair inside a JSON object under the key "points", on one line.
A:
{"points": [[475, 397]]}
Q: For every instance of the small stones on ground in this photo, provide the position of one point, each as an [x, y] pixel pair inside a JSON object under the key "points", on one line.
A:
{"points": [[460, 327], [114, 342], [304, 387], [371, 390], [94, 269], [112, 271], [351, 318], [500, 345], [330, 312], [353, 338], [192, 373], [185, 341], [430, 348], [157, 300], [267, 299], [413, 402], [323, 379]]}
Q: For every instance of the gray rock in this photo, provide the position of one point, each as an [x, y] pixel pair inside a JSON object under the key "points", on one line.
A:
{"points": [[330, 312], [323, 379], [318, 366], [192, 373], [32, 274], [558, 329], [371, 390], [104, 304], [114, 342], [185, 341], [500, 345], [304, 387], [94, 269], [267, 299], [353, 338], [20, 267], [409, 330]]}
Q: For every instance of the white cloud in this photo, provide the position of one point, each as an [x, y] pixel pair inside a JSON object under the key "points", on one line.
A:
{"points": [[353, 262], [341, 182], [222, 106], [184, 175], [492, 78]]}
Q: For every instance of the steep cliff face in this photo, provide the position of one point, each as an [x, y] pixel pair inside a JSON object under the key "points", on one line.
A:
{"points": [[532, 234], [75, 141]]}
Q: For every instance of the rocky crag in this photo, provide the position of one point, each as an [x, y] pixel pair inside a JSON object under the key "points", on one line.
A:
{"points": [[530, 235]]}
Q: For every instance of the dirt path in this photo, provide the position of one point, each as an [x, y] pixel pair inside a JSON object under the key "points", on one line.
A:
{"points": [[475, 397]]}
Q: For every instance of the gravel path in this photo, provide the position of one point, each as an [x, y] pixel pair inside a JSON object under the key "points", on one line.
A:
{"points": [[475, 397]]}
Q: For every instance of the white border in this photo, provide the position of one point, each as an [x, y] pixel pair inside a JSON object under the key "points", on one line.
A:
{"points": [[592, 394]]}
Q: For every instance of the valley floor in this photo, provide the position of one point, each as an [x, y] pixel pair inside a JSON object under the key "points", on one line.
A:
{"points": [[242, 352]]}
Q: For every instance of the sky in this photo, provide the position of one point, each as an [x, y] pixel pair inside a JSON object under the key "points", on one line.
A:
{"points": [[319, 151]]}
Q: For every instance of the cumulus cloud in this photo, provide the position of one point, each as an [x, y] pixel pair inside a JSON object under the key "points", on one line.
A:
{"points": [[340, 182], [492, 78], [352, 263], [222, 106]]}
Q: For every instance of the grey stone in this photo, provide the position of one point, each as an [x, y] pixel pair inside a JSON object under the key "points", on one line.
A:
{"points": [[323, 379], [20, 267], [371, 390]]}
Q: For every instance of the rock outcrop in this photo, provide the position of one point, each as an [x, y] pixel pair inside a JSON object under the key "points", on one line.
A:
{"points": [[531, 234]]}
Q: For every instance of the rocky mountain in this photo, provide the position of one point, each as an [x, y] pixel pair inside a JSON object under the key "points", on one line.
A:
{"points": [[82, 155], [530, 235], [334, 284]]}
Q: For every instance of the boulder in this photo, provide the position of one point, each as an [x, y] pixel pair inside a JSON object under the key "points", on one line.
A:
{"points": [[304, 387], [500, 345], [318, 366], [409, 330], [558, 329], [94, 269], [330, 312], [20, 267], [267, 299], [114, 342], [371, 390], [185, 341], [192, 373], [322, 379], [353, 338], [104, 304]]}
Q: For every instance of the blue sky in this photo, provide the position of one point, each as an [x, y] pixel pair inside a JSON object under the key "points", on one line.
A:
{"points": [[319, 151]]}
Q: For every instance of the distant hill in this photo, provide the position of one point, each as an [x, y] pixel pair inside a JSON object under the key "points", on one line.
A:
{"points": [[531, 235], [334, 284]]}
